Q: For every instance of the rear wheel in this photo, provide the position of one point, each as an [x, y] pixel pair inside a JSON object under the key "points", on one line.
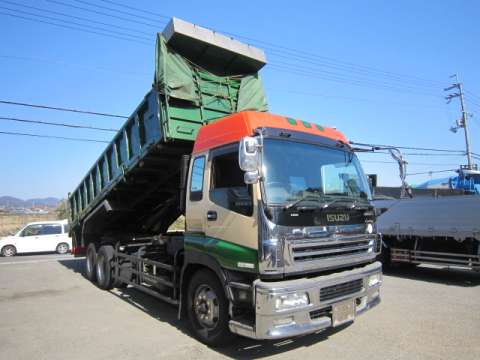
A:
{"points": [[90, 263], [62, 248], [9, 250], [208, 309], [104, 267]]}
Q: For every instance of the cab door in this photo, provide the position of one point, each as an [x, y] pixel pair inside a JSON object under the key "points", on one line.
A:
{"points": [[230, 214], [195, 204]]}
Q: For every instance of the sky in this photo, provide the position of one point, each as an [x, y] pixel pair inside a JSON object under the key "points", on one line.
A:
{"points": [[374, 69]]}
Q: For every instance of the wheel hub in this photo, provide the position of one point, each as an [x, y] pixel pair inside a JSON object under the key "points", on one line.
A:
{"points": [[206, 307]]}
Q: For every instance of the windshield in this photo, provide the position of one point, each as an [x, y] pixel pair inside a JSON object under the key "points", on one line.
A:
{"points": [[295, 171]]}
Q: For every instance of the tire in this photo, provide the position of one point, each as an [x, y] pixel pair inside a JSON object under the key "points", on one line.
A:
{"points": [[62, 248], [207, 308], [384, 257], [90, 263], [9, 250], [104, 267]]}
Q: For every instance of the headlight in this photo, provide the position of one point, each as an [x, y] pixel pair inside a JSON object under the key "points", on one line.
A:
{"points": [[291, 301], [369, 228], [374, 279]]}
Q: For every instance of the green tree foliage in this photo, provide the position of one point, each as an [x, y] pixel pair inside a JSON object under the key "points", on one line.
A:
{"points": [[62, 210]]}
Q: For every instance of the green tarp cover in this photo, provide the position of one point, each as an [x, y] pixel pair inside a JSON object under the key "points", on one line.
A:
{"points": [[179, 78]]}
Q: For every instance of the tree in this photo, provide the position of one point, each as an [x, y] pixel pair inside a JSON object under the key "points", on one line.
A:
{"points": [[62, 210]]}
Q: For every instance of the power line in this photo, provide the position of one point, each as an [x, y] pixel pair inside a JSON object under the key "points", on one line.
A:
{"points": [[307, 55], [53, 137], [414, 154], [338, 63], [333, 76], [136, 9], [472, 102], [103, 13], [62, 109], [409, 163], [473, 95], [347, 77], [120, 11], [79, 25], [413, 81], [427, 154], [432, 172], [319, 65], [122, 72], [71, 27], [340, 80], [39, 122], [407, 147], [74, 17], [305, 93]]}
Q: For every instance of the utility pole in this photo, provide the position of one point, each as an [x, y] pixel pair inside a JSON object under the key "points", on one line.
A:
{"points": [[463, 122]]}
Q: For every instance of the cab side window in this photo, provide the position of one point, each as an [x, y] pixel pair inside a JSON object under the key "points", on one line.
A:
{"points": [[196, 184], [228, 188]]}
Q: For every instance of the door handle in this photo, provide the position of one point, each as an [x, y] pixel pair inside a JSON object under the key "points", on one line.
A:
{"points": [[211, 215]]}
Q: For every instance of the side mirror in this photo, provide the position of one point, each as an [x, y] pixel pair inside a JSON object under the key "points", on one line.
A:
{"points": [[248, 154], [251, 177], [372, 182]]}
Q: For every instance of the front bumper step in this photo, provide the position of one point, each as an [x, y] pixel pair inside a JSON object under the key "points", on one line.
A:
{"points": [[272, 323]]}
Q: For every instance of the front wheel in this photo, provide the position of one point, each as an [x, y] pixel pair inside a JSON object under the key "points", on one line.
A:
{"points": [[9, 250], [208, 309]]}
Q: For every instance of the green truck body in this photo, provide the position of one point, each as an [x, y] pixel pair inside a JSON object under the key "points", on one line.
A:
{"points": [[162, 128]]}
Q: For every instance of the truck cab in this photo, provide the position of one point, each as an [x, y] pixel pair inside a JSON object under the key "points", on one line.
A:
{"points": [[278, 203]]}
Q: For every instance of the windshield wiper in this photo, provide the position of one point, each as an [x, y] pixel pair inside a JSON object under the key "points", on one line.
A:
{"points": [[353, 202], [323, 205], [298, 201]]}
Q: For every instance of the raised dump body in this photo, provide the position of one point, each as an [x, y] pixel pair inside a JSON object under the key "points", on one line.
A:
{"points": [[137, 176]]}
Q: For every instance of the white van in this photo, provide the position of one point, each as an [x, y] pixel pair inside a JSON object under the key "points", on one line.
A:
{"points": [[42, 236]]}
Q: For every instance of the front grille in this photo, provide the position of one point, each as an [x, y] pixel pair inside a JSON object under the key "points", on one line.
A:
{"points": [[339, 290], [315, 314], [320, 250]]}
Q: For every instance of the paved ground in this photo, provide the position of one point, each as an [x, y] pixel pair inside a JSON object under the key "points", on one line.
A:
{"points": [[49, 311]]}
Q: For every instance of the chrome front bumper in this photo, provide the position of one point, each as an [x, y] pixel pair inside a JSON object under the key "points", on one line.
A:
{"points": [[271, 323]]}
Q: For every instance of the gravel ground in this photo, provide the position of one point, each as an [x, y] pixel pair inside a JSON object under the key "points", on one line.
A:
{"points": [[49, 311]]}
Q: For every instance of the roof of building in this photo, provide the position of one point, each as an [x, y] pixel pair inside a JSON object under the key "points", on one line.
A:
{"points": [[232, 128]]}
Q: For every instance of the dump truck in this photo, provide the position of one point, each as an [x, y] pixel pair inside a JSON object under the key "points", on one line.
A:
{"points": [[279, 235]]}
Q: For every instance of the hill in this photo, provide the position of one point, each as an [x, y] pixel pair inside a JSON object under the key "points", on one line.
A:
{"points": [[13, 202]]}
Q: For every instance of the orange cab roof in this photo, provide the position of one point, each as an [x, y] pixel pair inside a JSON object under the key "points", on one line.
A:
{"points": [[233, 127]]}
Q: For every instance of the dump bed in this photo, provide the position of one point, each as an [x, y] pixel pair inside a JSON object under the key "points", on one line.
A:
{"points": [[134, 185]]}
